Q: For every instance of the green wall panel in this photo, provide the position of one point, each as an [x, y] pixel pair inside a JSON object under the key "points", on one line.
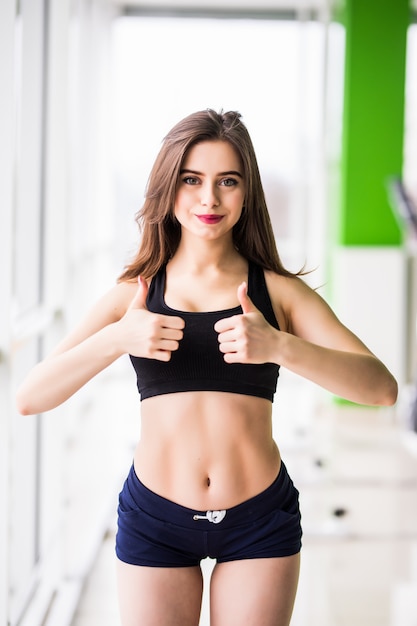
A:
{"points": [[373, 119]]}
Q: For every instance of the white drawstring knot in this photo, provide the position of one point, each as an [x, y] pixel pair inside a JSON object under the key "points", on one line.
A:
{"points": [[215, 517]]}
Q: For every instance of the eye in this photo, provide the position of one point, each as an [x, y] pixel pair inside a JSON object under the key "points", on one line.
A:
{"points": [[228, 182], [190, 180]]}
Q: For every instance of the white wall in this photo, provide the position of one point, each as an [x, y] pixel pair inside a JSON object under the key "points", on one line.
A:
{"points": [[7, 21], [56, 241]]}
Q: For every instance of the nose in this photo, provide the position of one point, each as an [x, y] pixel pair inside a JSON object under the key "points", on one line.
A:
{"points": [[209, 197]]}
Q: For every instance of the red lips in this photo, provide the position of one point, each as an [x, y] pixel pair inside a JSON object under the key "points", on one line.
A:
{"points": [[210, 219]]}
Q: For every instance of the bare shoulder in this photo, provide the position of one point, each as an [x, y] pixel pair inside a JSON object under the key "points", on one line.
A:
{"points": [[285, 293], [108, 309], [113, 304], [307, 314], [287, 285], [116, 301], [291, 290], [300, 303]]}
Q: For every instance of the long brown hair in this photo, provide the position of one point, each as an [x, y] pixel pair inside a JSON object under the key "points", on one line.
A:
{"points": [[253, 235]]}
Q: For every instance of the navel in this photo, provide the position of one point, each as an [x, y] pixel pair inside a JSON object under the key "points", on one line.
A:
{"points": [[208, 481]]}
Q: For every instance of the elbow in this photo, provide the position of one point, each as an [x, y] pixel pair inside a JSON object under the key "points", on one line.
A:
{"points": [[23, 404], [30, 400], [392, 398], [23, 408], [390, 394]]}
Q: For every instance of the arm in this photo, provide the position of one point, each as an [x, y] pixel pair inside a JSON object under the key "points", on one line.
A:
{"points": [[315, 344], [320, 348], [118, 324]]}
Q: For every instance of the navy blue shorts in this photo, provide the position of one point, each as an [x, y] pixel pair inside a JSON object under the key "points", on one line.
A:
{"points": [[157, 532]]}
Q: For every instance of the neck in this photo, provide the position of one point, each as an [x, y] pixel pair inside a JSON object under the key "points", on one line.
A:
{"points": [[206, 255]]}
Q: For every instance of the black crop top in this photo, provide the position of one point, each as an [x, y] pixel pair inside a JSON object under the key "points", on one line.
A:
{"points": [[198, 364]]}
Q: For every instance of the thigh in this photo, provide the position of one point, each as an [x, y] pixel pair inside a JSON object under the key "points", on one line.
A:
{"points": [[254, 592], [151, 596]]}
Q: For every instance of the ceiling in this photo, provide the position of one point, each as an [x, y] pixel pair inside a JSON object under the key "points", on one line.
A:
{"points": [[278, 6], [274, 5]]}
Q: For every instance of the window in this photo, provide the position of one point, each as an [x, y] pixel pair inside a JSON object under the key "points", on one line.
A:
{"points": [[269, 70]]}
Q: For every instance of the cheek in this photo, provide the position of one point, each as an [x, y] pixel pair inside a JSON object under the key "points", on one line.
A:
{"points": [[240, 202], [182, 199], [182, 207], [178, 203], [239, 208]]}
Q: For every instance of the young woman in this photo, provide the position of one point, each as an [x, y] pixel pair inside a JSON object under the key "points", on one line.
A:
{"points": [[208, 314]]}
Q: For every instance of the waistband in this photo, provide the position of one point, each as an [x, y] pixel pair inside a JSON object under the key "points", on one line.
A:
{"points": [[280, 494]]}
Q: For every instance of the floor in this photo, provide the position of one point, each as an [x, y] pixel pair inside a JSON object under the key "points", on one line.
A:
{"points": [[356, 469]]}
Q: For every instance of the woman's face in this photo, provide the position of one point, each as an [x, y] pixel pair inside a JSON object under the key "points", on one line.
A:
{"points": [[211, 190]]}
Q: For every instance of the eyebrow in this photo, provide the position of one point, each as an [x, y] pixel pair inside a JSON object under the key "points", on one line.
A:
{"points": [[230, 173]]}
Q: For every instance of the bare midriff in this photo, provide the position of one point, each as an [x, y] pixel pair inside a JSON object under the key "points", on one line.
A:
{"points": [[206, 450]]}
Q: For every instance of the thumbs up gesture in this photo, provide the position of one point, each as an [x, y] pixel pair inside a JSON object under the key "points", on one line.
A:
{"points": [[246, 338], [139, 301], [147, 334]]}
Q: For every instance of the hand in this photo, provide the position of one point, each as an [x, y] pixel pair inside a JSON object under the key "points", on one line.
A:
{"points": [[147, 334], [246, 338]]}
